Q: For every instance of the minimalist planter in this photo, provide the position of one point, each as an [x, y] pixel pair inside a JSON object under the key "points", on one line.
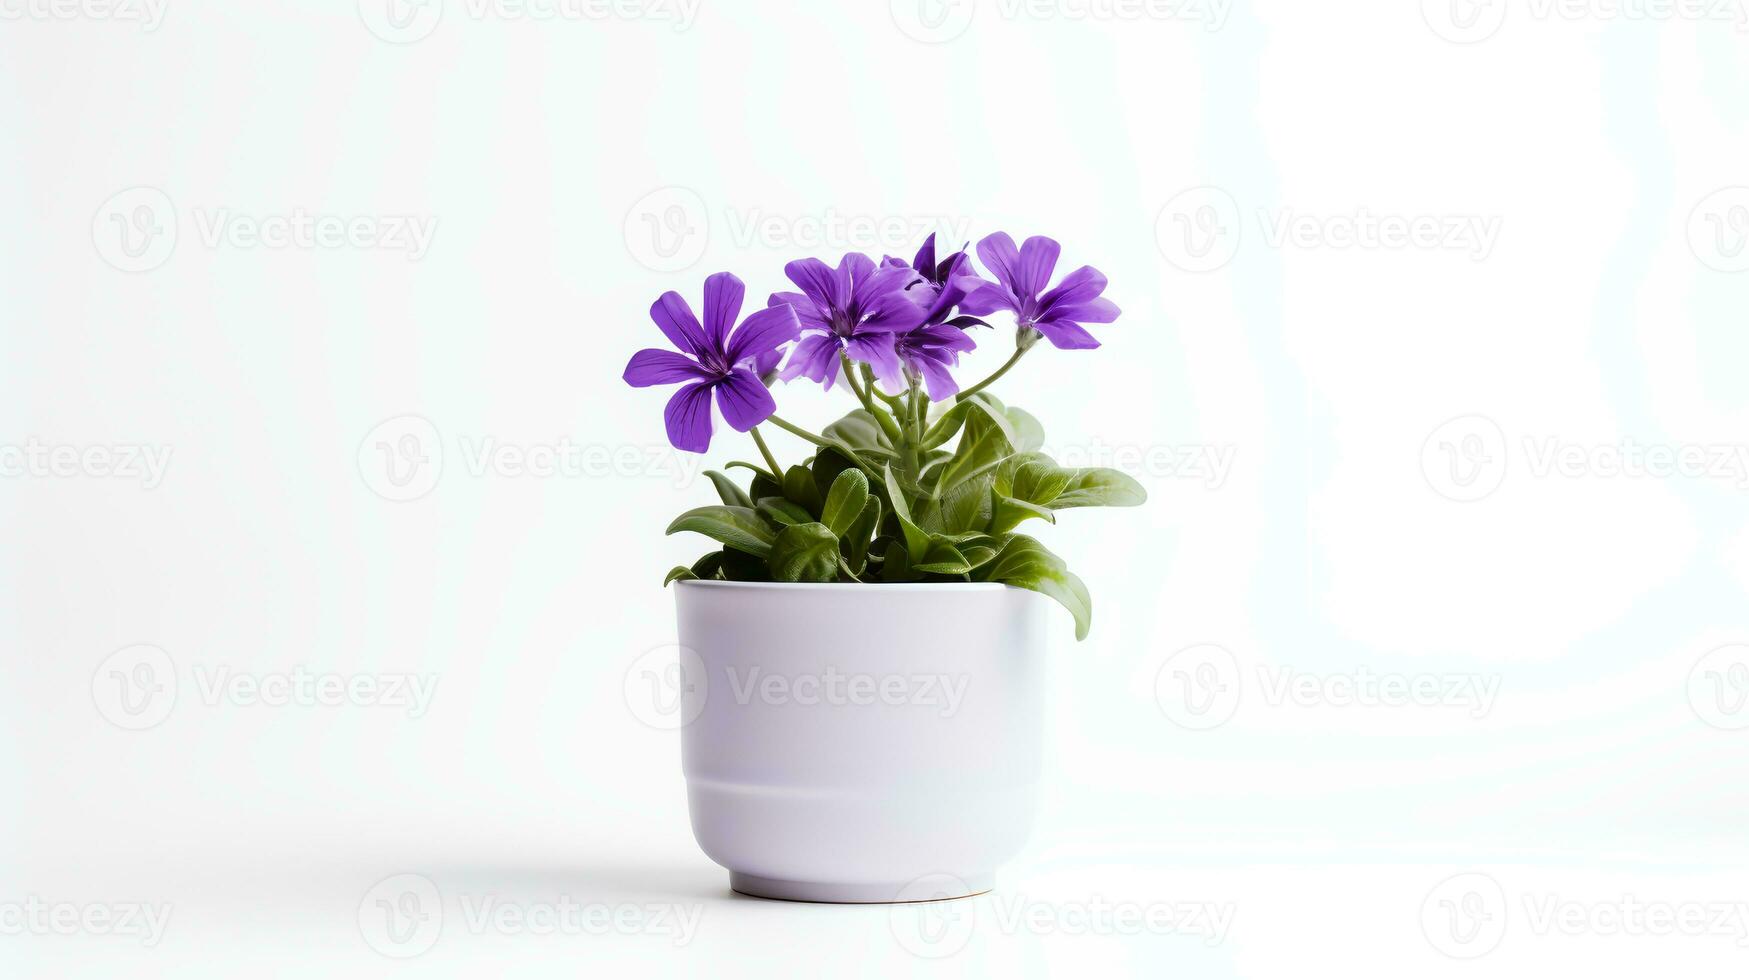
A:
{"points": [[861, 743]]}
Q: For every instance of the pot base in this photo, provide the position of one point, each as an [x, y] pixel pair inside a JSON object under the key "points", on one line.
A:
{"points": [[853, 894]]}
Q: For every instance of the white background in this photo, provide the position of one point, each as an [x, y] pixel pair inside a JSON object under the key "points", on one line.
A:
{"points": [[1246, 174]]}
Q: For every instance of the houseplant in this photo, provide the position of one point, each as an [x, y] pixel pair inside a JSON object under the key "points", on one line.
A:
{"points": [[886, 565]]}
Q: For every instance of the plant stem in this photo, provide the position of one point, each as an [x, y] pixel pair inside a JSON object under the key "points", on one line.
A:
{"points": [[1019, 352], [765, 451], [797, 430], [884, 420]]}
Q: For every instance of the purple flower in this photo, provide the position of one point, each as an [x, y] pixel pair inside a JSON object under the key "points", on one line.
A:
{"points": [[718, 356], [930, 350], [1022, 275], [855, 309], [934, 346]]}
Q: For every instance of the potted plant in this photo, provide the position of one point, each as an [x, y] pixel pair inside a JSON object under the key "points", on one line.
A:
{"points": [[863, 652]]}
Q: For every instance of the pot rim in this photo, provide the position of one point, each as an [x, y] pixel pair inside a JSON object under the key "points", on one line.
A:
{"points": [[851, 586]]}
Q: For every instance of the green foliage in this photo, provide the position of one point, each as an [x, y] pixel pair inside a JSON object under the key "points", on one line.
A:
{"points": [[895, 496]]}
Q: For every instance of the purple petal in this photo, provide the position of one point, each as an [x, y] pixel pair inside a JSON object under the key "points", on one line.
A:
{"points": [[936, 380], [1077, 287], [1097, 310], [723, 294], [676, 321], [1038, 259], [763, 331], [925, 260], [806, 311], [853, 269], [818, 281], [661, 367], [689, 417], [814, 358], [988, 297], [876, 350], [767, 362], [1067, 335], [744, 401], [1001, 258]]}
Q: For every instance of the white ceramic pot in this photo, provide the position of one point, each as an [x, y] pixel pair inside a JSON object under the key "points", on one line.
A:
{"points": [[861, 743]]}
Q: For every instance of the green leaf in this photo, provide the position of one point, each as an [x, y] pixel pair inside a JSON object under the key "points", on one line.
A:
{"points": [[858, 430], [855, 542], [781, 512], [943, 559], [798, 488], [737, 527], [709, 566], [732, 495], [1008, 513], [678, 573], [1026, 564], [916, 540], [1029, 435], [826, 465], [844, 502], [1034, 478], [896, 567], [964, 508], [739, 566], [983, 446], [1099, 487], [947, 425], [805, 553]]}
